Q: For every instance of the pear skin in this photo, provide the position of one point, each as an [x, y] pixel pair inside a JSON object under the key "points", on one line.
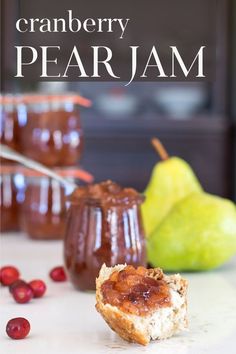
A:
{"points": [[171, 180], [198, 234]]}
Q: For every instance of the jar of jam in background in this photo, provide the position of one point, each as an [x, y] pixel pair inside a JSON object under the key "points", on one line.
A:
{"points": [[11, 197], [52, 132], [104, 226], [10, 114], [44, 210]]}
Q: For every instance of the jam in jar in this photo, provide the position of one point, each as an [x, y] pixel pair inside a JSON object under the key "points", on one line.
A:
{"points": [[104, 226], [52, 132], [10, 111], [44, 209], [11, 191]]}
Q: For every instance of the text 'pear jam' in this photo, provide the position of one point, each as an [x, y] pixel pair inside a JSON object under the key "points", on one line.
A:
{"points": [[135, 292], [104, 226]]}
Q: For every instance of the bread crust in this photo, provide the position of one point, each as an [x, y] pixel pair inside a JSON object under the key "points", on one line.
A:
{"points": [[121, 325], [124, 324]]}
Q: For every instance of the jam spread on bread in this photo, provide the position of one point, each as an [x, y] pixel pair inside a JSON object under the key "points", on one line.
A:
{"points": [[135, 292]]}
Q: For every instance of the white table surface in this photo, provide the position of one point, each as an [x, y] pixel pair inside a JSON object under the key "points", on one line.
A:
{"points": [[65, 321]]}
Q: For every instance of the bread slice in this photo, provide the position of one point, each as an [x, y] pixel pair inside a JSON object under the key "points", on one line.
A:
{"points": [[162, 323]]}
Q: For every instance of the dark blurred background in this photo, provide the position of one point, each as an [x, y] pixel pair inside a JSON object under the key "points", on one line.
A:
{"points": [[195, 121]]}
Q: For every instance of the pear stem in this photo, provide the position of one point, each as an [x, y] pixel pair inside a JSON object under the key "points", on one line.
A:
{"points": [[158, 146]]}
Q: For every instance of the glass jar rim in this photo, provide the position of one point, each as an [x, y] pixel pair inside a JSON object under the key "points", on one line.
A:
{"points": [[107, 193], [93, 201]]}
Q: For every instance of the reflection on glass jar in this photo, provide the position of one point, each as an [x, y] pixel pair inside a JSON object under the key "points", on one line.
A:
{"points": [[11, 194], [44, 209], [52, 133], [104, 226]]}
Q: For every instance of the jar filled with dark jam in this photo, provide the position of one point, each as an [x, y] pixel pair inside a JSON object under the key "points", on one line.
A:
{"points": [[104, 226], [52, 132], [44, 210], [10, 112], [11, 191]]}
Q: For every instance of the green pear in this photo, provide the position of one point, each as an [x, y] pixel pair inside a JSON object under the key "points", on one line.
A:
{"points": [[199, 233], [172, 179]]}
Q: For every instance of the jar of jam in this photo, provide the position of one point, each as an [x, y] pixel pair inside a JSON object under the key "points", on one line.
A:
{"points": [[11, 195], [44, 209], [52, 133], [10, 111], [104, 226]]}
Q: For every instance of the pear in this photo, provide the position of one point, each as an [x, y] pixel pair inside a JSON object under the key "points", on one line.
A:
{"points": [[199, 233], [172, 179]]}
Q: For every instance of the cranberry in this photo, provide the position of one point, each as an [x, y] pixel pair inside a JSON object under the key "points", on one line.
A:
{"points": [[8, 275], [58, 274], [18, 328], [38, 286], [22, 293], [15, 284]]}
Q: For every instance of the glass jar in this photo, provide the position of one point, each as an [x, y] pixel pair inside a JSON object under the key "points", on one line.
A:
{"points": [[104, 226], [52, 133], [10, 110], [11, 194], [44, 209]]}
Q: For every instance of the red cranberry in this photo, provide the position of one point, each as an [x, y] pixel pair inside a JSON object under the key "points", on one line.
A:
{"points": [[22, 293], [15, 284], [58, 274], [38, 286], [18, 328], [8, 275]]}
